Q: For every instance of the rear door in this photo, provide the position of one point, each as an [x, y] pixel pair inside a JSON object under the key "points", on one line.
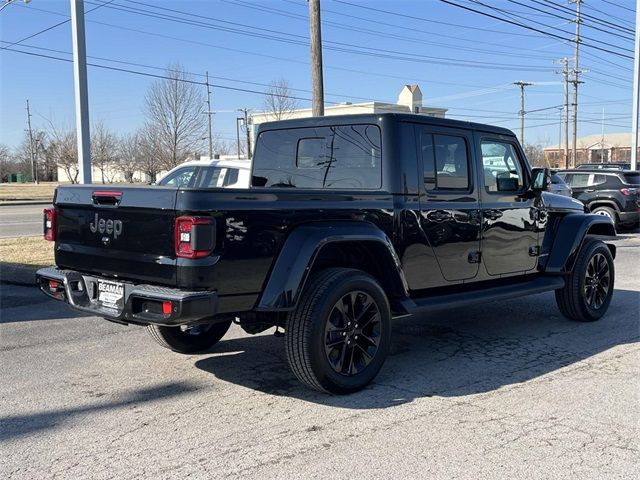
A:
{"points": [[449, 210], [509, 228], [117, 231]]}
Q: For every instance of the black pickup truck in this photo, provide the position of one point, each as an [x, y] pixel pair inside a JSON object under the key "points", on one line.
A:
{"points": [[349, 222]]}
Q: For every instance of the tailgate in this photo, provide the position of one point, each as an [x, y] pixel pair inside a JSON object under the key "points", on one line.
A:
{"points": [[118, 231]]}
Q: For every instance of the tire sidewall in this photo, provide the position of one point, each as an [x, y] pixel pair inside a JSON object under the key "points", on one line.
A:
{"points": [[579, 273], [183, 342], [610, 213], [326, 375]]}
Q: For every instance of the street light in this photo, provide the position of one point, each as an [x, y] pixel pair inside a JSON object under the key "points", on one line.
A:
{"points": [[9, 2]]}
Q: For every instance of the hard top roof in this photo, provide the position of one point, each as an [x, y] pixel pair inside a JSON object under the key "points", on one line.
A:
{"points": [[378, 118]]}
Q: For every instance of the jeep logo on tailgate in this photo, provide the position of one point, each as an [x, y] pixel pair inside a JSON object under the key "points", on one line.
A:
{"points": [[110, 227]]}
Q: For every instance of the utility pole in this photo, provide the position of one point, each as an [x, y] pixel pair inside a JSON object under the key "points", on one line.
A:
{"points": [[315, 38], [81, 91], [576, 80], [34, 167], [522, 112], [238, 134], [209, 113], [636, 94], [245, 120], [602, 140], [565, 104]]}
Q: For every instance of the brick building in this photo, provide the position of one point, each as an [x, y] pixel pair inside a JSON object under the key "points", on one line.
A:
{"points": [[612, 147]]}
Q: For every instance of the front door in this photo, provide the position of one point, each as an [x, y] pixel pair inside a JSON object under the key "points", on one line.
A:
{"points": [[509, 233], [449, 210]]}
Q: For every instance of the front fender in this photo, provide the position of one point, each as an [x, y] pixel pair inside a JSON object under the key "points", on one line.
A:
{"points": [[289, 273], [570, 235]]}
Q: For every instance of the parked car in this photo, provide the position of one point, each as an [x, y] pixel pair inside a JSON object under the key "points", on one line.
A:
{"points": [[604, 166], [559, 186], [612, 193], [209, 173], [349, 222]]}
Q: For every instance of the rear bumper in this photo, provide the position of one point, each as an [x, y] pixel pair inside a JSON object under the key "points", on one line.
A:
{"points": [[142, 304]]}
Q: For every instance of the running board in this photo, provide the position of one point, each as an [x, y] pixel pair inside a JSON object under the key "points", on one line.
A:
{"points": [[452, 300]]}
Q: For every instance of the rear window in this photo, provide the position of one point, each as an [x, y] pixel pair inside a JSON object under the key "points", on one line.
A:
{"points": [[632, 178], [346, 156]]}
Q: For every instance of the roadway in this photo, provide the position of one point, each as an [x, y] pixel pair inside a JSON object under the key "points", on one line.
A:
{"points": [[508, 389], [20, 220]]}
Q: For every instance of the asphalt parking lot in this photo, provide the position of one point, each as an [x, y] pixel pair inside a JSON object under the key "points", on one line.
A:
{"points": [[501, 390]]}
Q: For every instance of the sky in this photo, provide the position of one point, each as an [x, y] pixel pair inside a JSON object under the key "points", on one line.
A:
{"points": [[461, 59]]}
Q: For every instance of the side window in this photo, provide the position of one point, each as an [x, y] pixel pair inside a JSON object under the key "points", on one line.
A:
{"points": [[598, 180], [209, 177], [445, 162], [179, 178], [579, 180], [503, 171], [232, 177]]}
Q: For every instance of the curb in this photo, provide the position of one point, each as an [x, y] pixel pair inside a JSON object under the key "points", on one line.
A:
{"points": [[22, 203], [18, 274]]}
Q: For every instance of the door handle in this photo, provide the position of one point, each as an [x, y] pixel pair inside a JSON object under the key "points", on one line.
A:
{"points": [[439, 216], [492, 214]]}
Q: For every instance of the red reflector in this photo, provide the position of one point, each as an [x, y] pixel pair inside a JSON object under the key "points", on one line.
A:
{"points": [[53, 284], [167, 307]]}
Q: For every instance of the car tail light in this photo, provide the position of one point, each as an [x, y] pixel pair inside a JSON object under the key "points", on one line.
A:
{"points": [[194, 237], [50, 224], [628, 191]]}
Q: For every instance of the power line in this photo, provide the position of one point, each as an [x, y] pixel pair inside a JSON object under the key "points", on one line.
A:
{"points": [[329, 45], [394, 36], [549, 26], [528, 27], [567, 10], [619, 6], [54, 26]]}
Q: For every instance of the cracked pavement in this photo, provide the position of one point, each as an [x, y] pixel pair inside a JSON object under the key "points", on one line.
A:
{"points": [[501, 390]]}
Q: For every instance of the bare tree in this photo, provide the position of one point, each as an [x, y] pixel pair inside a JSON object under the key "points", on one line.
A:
{"points": [[64, 151], [535, 154], [174, 109], [279, 101], [150, 159], [6, 162], [130, 155], [104, 146]]}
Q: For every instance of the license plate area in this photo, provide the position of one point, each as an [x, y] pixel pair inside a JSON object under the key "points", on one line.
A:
{"points": [[110, 296]]}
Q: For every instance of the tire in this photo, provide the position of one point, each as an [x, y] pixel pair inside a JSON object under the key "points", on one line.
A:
{"points": [[606, 212], [194, 339], [586, 297], [326, 348]]}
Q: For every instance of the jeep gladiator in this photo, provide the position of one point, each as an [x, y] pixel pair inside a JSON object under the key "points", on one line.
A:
{"points": [[349, 222]]}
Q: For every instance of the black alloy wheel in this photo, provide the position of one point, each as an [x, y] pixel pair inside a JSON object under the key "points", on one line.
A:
{"points": [[352, 333], [588, 288], [339, 335], [597, 281]]}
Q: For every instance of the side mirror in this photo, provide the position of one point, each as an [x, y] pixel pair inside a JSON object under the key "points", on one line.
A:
{"points": [[541, 180]]}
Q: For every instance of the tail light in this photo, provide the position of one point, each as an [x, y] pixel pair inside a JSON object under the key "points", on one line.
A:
{"points": [[50, 224], [628, 191], [194, 237]]}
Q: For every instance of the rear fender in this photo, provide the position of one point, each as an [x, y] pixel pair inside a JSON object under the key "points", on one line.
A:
{"points": [[570, 235], [303, 246]]}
